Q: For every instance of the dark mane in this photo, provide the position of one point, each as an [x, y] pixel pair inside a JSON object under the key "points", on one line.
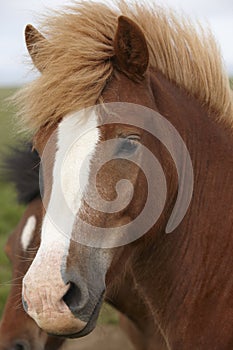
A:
{"points": [[21, 167]]}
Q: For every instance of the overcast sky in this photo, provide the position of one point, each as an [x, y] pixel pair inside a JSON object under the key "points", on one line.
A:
{"points": [[15, 14]]}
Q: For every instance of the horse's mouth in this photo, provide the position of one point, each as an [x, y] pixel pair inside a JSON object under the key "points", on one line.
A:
{"points": [[91, 324]]}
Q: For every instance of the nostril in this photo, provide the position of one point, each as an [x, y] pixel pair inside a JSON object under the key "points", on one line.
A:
{"points": [[73, 297], [20, 345]]}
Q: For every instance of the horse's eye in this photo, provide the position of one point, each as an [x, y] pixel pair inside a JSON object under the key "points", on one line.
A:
{"points": [[128, 145]]}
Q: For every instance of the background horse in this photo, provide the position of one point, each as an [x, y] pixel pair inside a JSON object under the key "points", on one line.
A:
{"points": [[179, 286], [17, 330]]}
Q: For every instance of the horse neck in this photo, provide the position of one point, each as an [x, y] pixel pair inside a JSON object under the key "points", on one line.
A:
{"points": [[180, 271], [180, 276]]}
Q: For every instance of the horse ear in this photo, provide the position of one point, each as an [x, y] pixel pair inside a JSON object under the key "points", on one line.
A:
{"points": [[131, 51], [34, 39]]}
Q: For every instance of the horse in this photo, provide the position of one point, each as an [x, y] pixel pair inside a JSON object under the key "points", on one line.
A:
{"points": [[17, 330], [124, 88]]}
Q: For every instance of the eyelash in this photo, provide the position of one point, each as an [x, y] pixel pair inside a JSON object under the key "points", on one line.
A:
{"points": [[135, 138]]}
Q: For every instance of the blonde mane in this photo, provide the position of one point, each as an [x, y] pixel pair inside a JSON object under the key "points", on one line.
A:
{"points": [[78, 53]]}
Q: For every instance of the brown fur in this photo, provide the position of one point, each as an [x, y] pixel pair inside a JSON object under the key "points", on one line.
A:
{"points": [[184, 278], [78, 60], [132, 56], [33, 39]]}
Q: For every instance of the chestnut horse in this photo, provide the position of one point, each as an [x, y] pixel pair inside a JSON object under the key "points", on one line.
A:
{"points": [[17, 330], [157, 90]]}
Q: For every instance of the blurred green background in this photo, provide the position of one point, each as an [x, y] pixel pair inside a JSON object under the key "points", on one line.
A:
{"points": [[10, 211]]}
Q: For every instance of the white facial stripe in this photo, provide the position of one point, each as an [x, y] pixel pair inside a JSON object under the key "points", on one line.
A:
{"points": [[28, 232], [76, 165], [76, 145]]}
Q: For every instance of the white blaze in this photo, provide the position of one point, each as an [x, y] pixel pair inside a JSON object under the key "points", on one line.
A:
{"points": [[75, 147], [76, 143], [28, 232], [43, 285]]}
